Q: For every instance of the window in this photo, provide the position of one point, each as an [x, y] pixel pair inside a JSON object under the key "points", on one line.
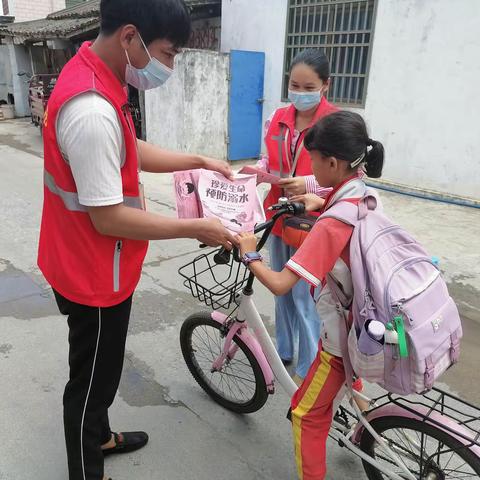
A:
{"points": [[6, 10], [344, 29]]}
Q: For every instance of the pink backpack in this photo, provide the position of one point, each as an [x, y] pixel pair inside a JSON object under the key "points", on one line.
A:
{"points": [[395, 283]]}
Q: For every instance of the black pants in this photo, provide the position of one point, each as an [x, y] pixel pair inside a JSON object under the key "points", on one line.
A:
{"points": [[97, 347]]}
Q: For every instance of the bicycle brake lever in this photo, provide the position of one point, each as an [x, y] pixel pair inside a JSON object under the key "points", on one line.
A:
{"points": [[236, 254]]}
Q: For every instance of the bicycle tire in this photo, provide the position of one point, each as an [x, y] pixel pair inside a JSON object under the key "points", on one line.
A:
{"points": [[383, 424], [260, 395]]}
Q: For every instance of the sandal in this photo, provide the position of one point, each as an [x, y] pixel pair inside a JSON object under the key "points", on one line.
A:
{"points": [[131, 441]]}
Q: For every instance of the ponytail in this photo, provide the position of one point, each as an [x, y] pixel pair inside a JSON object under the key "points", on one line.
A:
{"points": [[375, 159], [344, 135]]}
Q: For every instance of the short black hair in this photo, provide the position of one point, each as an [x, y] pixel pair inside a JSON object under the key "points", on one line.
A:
{"points": [[314, 58], [344, 135], [155, 19]]}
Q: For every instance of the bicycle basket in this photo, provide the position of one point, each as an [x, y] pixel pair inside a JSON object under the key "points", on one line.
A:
{"points": [[214, 285]]}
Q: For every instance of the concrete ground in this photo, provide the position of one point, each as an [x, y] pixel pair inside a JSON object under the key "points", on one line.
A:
{"points": [[191, 437]]}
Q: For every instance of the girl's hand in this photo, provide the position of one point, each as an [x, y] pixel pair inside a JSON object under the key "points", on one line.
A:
{"points": [[247, 243], [294, 186], [311, 201]]}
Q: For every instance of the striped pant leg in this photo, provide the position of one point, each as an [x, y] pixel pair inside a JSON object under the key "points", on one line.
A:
{"points": [[312, 414], [96, 353]]}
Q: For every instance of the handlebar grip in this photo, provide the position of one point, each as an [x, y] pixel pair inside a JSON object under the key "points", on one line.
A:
{"points": [[222, 257], [298, 208]]}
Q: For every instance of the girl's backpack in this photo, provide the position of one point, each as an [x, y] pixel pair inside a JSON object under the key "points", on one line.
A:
{"points": [[395, 283]]}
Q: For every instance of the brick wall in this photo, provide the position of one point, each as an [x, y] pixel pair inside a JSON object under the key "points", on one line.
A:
{"points": [[25, 10]]}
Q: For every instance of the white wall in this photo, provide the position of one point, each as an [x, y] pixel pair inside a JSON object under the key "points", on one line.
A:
{"points": [[6, 86], [25, 10], [258, 25], [206, 34], [190, 112], [19, 62], [423, 95]]}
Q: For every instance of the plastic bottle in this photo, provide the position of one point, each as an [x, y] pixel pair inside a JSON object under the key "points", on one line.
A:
{"points": [[376, 330]]}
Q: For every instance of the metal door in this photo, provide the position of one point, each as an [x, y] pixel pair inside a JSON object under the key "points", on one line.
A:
{"points": [[247, 72]]}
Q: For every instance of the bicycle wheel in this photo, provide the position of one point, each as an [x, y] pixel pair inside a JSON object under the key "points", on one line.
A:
{"points": [[428, 452], [239, 386]]}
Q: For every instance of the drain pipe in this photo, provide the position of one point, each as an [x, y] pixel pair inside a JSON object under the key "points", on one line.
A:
{"points": [[424, 194]]}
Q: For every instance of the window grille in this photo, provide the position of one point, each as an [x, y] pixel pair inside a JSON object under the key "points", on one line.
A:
{"points": [[344, 30]]}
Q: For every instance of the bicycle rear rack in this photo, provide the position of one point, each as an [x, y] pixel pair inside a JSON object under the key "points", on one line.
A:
{"points": [[437, 401]]}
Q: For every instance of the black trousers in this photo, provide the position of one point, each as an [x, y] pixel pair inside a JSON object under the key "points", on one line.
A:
{"points": [[97, 348]]}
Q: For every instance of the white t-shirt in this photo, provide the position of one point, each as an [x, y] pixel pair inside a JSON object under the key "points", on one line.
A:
{"points": [[91, 140]]}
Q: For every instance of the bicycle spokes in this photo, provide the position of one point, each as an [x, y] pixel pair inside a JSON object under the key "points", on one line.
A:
{"points": [[426, 457], [234, 377]]}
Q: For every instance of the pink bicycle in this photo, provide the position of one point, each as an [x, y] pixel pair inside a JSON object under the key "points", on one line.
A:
{"points": [[435, 436]]}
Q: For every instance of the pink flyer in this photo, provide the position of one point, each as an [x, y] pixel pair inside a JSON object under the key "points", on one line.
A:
{"points": [[202, 193], [235, 203], [186, 194], [262, 177]]}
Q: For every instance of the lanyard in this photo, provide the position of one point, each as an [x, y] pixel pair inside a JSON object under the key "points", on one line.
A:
{"points": [[293, 167]]}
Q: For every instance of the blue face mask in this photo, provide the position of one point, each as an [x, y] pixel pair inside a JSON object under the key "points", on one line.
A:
{"points": [[152, 76], [304, 101]]}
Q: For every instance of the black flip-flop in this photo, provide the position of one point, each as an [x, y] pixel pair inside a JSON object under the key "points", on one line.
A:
{"points": [[131, 441]]}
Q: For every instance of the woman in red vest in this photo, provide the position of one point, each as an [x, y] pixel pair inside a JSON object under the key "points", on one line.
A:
{"points": [[286, 157]]}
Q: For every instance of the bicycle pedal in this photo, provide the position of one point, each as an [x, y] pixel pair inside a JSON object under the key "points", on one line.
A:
{"points": [[341, 418]]}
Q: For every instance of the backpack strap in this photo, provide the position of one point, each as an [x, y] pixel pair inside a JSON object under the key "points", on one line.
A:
{"points": [[345, 212], [350, 213], [342, 306]]}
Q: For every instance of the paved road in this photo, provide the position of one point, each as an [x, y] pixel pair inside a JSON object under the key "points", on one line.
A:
{"points": [[191, 438]]}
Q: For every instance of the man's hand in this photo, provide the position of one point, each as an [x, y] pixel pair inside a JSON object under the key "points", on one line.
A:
{"points": [[211, 232], [158, 160], [294, 186], [311, 201], [247, 243], [218, 166]]}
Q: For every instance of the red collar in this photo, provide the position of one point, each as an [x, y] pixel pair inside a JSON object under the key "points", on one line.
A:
{"points": [[103, 73], [332, 194]]}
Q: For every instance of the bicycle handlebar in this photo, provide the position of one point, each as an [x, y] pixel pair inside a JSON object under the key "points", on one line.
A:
{"points": [[282, 208]]}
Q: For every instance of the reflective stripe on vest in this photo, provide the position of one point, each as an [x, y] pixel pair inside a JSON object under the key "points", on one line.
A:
{"points": [[70, 199]]}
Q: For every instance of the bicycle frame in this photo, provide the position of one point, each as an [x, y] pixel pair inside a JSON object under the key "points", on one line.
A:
{"points": [[272, 367], [247, 320]]}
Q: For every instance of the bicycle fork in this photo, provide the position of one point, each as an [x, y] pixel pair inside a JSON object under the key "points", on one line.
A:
{"points": [[229, 347]]}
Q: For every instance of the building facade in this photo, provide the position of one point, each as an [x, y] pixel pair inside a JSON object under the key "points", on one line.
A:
{"points": [[26, 10], [409, 67]]}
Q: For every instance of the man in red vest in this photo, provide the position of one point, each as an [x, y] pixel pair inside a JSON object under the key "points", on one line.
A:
{"points": [[95, 229]]}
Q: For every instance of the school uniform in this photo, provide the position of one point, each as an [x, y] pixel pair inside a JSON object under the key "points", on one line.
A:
{"points": [[295, 313], [326, 250]]}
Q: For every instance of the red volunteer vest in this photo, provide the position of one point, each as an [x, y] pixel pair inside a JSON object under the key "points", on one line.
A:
{"points": [[77, 261], [279, 147]]}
